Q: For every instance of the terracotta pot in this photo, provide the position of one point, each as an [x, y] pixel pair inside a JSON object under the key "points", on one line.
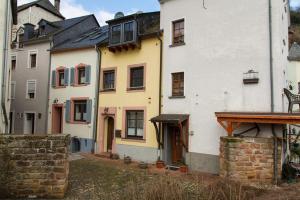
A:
{"points": [[183, 169], [160, 164]]}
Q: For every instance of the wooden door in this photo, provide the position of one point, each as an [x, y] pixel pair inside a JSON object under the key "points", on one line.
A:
{"points": [[110, 133], [57, 126], [176, 145]]}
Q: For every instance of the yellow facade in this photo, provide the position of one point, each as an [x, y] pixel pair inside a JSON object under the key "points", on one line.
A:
{"points": [[121, 99]]}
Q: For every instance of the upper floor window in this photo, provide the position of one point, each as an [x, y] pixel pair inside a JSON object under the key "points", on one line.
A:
{"points": [[128, 32], [13, 90], [13, 62], [109, 80], [116, 34], [32, 59], [136, 77], [31, 89], [21, 40], [61, 77], [178, 32], [178, 84], [81, 75]]}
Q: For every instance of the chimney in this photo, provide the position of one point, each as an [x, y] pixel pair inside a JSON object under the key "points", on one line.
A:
{"points": [[28, 31], [57, 4]]}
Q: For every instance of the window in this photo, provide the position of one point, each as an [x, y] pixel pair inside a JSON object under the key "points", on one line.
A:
{"points": [[32, 59], [178, 84], [109, 80], [13, 62], [128, 32], [61, 77], [136, 77], [135, 124], [81, 76], [178, 32], [31, 89], [21, 39], [13, 90], [116, 34], [80, 111]]}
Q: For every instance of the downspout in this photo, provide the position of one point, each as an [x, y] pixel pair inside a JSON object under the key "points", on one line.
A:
{"points": [[4, 65], [95, 125], [49, 86], [272, 91]]}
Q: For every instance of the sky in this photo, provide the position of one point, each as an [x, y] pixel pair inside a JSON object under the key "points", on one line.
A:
{"points": [[106, 9], [103, 9]]}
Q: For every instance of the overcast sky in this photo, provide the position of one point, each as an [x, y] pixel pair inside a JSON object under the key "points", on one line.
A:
{"points": [[105, 9]]}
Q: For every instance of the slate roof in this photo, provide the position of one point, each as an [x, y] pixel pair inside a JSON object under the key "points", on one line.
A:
{"points": [[294, 53], [45, 4], [90, 38]]}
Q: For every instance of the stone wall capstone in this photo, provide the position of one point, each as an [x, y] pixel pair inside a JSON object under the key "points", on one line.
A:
{"points": [[248, 160], [34, 166]]}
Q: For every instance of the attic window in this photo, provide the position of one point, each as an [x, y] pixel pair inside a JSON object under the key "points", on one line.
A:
{"points": [[116, 34], [42, 30], [128, 32]]}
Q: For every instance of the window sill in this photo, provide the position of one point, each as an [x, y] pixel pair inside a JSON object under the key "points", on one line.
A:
{"points": [[107, 90], [137, 89], [78, 122], [141, 140], [79, 85], [176, 97], [177, 45]]}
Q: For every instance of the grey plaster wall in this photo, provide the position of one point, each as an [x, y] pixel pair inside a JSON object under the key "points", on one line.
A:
{"points": [[145, 154], [203, 162]]}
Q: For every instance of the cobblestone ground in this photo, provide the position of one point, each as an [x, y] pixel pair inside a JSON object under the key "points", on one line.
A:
{"points": [[96, 178]]}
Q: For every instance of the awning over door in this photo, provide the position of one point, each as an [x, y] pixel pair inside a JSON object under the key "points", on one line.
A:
{"points": [[173, 119]]}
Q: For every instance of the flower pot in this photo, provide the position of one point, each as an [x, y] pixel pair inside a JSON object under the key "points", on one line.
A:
{"points": [[183, 169], [160, 164], [127, 160], [143, 165]]}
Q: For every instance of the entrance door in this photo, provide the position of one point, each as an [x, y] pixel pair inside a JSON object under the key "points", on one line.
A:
{"points": [[11, 122], [29, 123], [176, 145], [57, 117], [110, 133]]}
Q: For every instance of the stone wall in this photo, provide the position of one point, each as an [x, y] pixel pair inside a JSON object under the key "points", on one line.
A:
{"points": [[34, 166], [249, 160]]}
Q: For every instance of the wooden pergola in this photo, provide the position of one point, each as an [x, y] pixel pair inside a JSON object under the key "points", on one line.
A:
{"points": [[230, 121]]}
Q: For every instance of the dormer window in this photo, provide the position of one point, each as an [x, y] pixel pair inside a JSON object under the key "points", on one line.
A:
{"points": [[123, 35], [42, 30], [116, 34], [128, 32]]}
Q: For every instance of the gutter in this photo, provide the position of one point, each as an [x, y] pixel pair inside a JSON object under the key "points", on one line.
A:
{"points": [[49, 86], [275, 158], [4, 66], [96, 116]]}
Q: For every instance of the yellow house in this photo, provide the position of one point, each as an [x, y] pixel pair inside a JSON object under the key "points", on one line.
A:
{"points": [[130, 87]]}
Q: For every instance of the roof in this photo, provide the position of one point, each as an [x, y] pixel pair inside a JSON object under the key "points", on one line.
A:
{"points": [[45, 4], [170, 118], [294, 54], [94, 36]]}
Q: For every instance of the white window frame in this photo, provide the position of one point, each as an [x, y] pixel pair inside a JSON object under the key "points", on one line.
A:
{"points": [[14, 91], [26, 95], [15, 55], [30, 52]]}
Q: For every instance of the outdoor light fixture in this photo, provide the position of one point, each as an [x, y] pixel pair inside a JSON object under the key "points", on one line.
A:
{"points": [[251, 77]]}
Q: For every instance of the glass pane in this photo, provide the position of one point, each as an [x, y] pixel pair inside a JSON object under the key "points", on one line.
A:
{"points": [[140, 124], [140, 132], [116, 34], [131, 131], [128, 32]]}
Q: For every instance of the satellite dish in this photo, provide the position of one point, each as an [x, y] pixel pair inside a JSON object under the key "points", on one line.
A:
{"points": [[119, 15]]}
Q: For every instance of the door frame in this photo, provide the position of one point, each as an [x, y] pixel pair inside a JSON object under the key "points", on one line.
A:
{"points": [[59, 105], [24, 121]]}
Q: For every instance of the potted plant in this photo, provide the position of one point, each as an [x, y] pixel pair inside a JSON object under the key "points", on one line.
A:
{"points": [[183, 168], [160, 163]]}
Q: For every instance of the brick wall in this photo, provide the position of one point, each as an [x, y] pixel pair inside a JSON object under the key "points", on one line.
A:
{"points": [[34, 166], [249, 160]]}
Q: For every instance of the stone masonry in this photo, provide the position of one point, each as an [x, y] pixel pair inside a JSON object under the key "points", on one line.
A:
{"points": [[248, 160], [34, 166]]}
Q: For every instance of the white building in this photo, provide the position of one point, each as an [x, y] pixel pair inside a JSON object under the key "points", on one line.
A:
{"points": [[8, 17], [210, 47]]}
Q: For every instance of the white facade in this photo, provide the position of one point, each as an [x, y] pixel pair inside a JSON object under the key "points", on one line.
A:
{"points": [[5, 69], [71, 59], [223, 40]]}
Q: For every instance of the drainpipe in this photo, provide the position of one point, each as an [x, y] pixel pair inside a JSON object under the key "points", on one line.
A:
{"points": [[160, 70], [4, 66], [49, 86], [272, 91], [95, 125]]}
